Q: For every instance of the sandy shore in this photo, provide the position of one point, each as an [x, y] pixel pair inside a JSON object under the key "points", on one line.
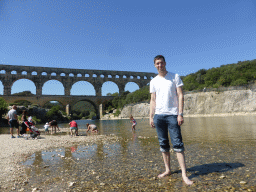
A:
{"points": [[14, 151]]}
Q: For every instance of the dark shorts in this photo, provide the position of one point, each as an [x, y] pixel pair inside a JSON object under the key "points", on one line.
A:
{"points": [[54, 123], [165, 124], [13, 123]]}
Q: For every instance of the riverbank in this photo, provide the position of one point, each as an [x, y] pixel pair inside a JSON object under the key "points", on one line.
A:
{"points": [[16, 150], [227, 103], [111, 117]]}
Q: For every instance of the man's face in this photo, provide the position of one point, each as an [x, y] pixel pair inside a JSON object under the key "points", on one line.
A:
{"points": [[160, 65]]}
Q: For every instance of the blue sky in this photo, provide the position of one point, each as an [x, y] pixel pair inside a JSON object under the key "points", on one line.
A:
{"points": [[124, 36]]}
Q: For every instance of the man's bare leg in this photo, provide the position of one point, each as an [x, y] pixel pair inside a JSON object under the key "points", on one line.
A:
{"points": [[166, 158], [181, 160], [18, 131], [11, 131]]}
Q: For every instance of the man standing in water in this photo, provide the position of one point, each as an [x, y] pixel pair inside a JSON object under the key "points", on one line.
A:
{"points": [[166, 113]]}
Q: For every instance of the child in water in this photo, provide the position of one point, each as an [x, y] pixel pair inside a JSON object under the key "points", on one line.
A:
{"points": [[134, 123], [46, 128], [92, 127]]}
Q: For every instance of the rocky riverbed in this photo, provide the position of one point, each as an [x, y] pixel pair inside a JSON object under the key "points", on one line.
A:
{"points": [[97, 163]]}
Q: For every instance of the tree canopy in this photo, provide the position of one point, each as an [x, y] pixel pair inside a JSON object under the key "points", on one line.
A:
{"points": [[240, 73], [3, 107]]}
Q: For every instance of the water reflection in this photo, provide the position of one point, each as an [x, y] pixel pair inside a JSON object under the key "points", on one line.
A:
{"points": [[134, 158], [232, 128], [195, 130]]}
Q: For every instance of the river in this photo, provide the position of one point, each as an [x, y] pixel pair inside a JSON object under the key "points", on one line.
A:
{"points": [[220, 154]]}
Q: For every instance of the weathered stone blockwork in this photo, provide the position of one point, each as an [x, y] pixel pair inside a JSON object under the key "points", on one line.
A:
{"points": [[68, 77]]}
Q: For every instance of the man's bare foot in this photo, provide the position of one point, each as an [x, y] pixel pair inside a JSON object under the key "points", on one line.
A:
{"points": [[187, 180], [166, 173]]}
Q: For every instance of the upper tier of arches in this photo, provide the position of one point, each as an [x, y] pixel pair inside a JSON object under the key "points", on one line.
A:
{"points": [[68, 77]]}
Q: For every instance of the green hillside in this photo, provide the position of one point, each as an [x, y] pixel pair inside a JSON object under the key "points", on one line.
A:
{"points": [[240, 73]]}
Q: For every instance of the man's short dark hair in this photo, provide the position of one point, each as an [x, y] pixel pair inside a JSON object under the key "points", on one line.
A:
{"points": [[159, 57]]}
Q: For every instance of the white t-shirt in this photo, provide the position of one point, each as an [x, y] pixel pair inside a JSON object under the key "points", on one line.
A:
{"points": [[46, 126], [166, 93], [12, 114]]}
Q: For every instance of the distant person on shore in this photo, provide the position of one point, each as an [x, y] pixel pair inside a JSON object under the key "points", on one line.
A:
{"points": [[46, 128], [13, 121], [166, 114], [73, 126], [54, 125], [92, 127], [134, 123], [23, 129]]}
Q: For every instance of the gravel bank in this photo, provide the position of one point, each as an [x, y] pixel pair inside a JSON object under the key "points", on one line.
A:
{"points": [[14, 151]]}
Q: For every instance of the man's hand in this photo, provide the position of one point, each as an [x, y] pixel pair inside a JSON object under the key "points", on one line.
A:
{"points": [[180, 120], [151, 121]]}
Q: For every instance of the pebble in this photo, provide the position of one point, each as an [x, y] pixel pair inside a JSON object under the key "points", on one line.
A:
{"points": [[71, 184], [35, 189], [243, 182]]}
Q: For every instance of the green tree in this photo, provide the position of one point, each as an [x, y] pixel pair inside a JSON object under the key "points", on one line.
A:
{"points": [[3, 107], [54, 113], [92, 115]]}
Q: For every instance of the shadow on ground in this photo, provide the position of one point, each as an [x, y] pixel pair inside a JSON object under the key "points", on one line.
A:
{"points": [[213, 167]]}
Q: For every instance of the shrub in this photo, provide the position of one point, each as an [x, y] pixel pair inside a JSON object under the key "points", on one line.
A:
{"points": [[3, 107], [117, 113]]}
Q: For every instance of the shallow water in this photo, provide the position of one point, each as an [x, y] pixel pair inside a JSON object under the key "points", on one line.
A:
{"points": [[214, 146]]}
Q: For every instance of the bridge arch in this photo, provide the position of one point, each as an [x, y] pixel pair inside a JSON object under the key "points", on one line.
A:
{"points": [[96, 108], [131, 86], [23, 102], [53, 87], [109, 87], [49, 101], [85, 88], [1, 88], [27, 85]]}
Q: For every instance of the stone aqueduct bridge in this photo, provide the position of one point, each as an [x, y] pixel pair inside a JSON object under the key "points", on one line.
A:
{"points": [[68, 77]]}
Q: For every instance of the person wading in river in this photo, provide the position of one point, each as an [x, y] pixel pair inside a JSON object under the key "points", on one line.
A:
{"points": [[166, 113]]}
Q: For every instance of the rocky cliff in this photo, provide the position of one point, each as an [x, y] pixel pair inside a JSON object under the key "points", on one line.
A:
{"points": [[204, 103]]}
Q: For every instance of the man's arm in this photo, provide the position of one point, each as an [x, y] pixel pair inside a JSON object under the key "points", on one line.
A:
{"points": [[152, 109], [88, 128], [16, 117], [181, 104], [7, 116]]}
